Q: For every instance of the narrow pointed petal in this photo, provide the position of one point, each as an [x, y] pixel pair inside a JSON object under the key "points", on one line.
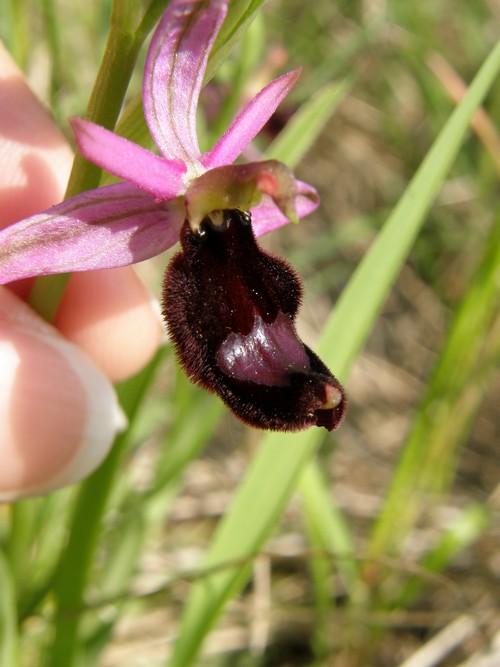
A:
{"points": [[100, 229], [250, 121], [161, 178], [173, 76], [266, 216]]}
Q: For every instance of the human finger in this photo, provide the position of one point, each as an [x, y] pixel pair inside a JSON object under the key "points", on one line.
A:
{"points": [[58, 412], [36, 161]]}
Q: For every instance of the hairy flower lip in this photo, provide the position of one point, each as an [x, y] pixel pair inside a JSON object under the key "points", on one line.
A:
{"points": [[230, 309]]}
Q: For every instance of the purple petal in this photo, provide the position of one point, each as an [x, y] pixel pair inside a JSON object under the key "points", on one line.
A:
{"points": [[250, 121], [162, 178], [175, 67], [267, 216], [99, 229]]}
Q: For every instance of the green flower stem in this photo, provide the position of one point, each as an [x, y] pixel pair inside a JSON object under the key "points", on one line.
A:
{"points": [[130, 23], [46, 294], [52, 30], [16, 31], [111, 85]]}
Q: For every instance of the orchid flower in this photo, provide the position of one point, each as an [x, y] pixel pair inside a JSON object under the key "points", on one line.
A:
{"points": [[141, 217], [229, 306]]}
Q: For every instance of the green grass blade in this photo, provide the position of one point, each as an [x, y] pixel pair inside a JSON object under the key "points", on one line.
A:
{"points": [[276, 469], [330, 538], [86, 525], [462, 532], [452, 398], [46, 540], [249, 56], [124, 552], [301, 132], [370, 284], [326, 523], [9, 640], [239, 16]]}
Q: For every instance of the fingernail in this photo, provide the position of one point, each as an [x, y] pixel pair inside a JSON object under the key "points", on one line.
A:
{"points": [[58, 413]]}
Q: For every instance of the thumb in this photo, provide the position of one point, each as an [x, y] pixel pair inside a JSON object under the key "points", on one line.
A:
{"points": [[58, 412]]}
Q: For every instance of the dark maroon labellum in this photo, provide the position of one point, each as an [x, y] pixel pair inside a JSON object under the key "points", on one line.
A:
{"points": [[230, 309]]}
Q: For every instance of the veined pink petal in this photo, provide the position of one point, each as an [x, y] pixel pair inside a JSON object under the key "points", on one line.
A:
{"points": [[267, 216], [250, 121], [175, 67], [161, 178], [99, 229]]}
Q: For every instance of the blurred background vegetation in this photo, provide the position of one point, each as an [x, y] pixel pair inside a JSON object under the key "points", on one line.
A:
{"points": [[403, 62]]}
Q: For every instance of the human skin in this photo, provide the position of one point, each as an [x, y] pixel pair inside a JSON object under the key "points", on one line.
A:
{"points": [[58, 412]]}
